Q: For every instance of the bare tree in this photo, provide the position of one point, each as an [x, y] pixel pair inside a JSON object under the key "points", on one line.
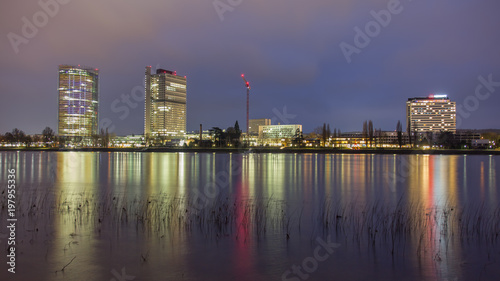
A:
{"points": [[370, 132], [378, 137], [8, 137], [48, 135], [399, 130], [323, 134], [27, 140], [18, 135], [328, 132], [365, 132]]}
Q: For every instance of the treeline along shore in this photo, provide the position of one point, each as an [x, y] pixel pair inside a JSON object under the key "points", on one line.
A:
{"points": [[273, 150]]}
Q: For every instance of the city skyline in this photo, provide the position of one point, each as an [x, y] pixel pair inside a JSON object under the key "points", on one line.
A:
{"points": [[250, 140], [292, 58]]}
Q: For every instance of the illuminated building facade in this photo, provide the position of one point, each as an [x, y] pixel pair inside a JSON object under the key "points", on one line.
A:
{"points": [[253, 128], [78, 101], [165, 105], [278, 131], [435, 113]]}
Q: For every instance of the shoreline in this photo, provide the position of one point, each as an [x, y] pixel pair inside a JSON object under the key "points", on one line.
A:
{"points": [[270, 150]]}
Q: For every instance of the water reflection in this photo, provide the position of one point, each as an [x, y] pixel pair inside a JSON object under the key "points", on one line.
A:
{"points": [[120, 186], [492, 179]]}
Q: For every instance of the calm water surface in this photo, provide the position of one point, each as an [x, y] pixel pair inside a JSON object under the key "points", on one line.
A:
{"points": [[214, 216]]}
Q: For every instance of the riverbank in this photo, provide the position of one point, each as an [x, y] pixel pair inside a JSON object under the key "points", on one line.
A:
{"points": [[274, 150]]}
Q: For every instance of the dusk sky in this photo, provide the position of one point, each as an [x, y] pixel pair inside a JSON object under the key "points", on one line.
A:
{"points": [[289, 50]]}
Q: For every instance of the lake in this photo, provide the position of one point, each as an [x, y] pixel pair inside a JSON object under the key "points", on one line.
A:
{"points": [[251, 216]]}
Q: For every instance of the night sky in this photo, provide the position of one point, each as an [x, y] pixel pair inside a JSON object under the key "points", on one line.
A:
{"points": [[289, 50]]}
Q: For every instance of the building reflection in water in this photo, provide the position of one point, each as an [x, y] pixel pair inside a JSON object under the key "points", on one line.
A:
{"points": [[302, 183], [492, 180], [75, 188]]}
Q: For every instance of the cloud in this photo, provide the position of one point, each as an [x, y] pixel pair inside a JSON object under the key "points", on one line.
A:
{"points": [[289, 49]]}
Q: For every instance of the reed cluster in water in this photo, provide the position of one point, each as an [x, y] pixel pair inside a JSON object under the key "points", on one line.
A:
{"points": [[391, 227], [396, 226]]}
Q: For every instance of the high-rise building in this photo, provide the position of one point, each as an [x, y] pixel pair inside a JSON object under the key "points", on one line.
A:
{"points": [[78, 101], [253, 128], [165, 106], [434, 113]]}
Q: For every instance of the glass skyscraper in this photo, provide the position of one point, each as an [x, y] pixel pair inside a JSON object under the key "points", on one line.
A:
{"points": [[78, 101], [165, 105]]}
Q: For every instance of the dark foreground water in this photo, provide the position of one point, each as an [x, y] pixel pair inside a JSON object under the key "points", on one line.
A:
{"points": [[197, 216]]}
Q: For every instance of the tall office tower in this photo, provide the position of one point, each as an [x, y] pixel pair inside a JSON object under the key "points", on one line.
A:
{"points": [[253, 128], [434, 113], [78, 101], [165, 106]]}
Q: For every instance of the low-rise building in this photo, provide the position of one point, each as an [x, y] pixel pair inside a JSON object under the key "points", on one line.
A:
{"points": [[253, 127], [482, 143], [278, 134]]}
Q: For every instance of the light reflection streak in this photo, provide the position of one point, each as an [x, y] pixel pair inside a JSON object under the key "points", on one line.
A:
{"points": [[242, 252], [430, 208], [481, 177], [432, 180], [464, 183], [76, 185], [329, 172], [492, 179]]}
